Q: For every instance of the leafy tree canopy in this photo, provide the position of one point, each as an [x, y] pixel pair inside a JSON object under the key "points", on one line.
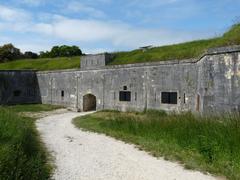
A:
{"points": [[61, 51]]}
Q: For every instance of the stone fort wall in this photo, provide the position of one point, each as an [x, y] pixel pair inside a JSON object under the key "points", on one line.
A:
{"points": [[210, 83]]}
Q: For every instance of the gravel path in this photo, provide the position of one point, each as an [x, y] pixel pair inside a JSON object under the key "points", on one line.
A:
{"points": [[82, 155]]}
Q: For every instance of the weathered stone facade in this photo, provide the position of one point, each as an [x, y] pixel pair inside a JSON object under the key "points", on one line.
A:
{"points": [[210, 83], [18, 87]]}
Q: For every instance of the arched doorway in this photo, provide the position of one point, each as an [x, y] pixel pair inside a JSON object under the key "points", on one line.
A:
{"points": [[89, 102]]}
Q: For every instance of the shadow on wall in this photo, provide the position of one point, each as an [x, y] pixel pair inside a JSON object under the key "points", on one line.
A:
{"points": [[19, 87]]}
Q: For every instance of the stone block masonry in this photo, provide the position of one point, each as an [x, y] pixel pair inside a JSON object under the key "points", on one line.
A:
{"points": [[208, 84]]}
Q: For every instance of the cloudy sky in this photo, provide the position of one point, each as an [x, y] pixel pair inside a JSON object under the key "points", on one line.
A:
{"points": [[112, 25]]}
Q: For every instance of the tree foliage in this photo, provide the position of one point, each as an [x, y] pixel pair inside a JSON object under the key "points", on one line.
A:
{"points": [[30, 55], [61, 51], [8, 52]]}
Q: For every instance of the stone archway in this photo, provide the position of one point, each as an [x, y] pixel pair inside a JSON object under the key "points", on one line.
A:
{"points": [[89, 102]]}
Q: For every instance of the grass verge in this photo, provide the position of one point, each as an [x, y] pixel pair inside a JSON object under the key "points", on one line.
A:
{"points": [[22, 155], [204, 143], [43, 64]]}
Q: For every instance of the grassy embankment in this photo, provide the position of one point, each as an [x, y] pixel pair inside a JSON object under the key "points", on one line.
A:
{"points": [[22, 156], [171, 52], [43, 64], [179, 51], [204, 143]]}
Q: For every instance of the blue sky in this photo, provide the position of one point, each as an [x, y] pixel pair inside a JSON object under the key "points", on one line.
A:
{"points": [[112, 25]]}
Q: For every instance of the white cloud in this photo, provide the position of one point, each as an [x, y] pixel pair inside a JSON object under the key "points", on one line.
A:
{"points": [[115, 33], [43, 28], [86, 30], [34, 47], [78, 7], [13, 14]]}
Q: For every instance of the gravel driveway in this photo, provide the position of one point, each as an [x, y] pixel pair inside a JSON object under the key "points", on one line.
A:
{"points": [[84, 155]]}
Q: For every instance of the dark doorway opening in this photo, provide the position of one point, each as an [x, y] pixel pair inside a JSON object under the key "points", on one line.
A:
{"points": [[89, 102]]}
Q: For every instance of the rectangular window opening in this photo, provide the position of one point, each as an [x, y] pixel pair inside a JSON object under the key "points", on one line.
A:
{"points": [[17, 93], [125, 96], [135, 96], [124, 88], [169, 98], [184, 98]]}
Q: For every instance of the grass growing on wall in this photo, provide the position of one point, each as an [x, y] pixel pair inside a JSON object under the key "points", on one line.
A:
{"points": [[43, 64], [22, 156], [208, 144]]}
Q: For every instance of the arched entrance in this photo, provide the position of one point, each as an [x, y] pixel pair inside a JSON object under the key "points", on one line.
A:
{"points": [[89, 102]]}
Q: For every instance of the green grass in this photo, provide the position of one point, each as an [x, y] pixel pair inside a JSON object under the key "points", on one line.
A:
{"points": [[203, 143], [22, 156], [179, 51], [32, 108], [43, 64]]}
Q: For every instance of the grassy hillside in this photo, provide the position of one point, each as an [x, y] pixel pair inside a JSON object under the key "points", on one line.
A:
{"points": [[43, 64], [22, 156], [179, 51], [205, 143]]}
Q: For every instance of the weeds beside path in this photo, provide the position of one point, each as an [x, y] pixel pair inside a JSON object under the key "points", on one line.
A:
{"points": [[207, 144], [22, 155]]}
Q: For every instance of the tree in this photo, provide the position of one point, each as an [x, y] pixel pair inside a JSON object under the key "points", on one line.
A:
{"points": [[8, 52], [61, 51], [44, 54], [30, 55], [55, 51]]}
